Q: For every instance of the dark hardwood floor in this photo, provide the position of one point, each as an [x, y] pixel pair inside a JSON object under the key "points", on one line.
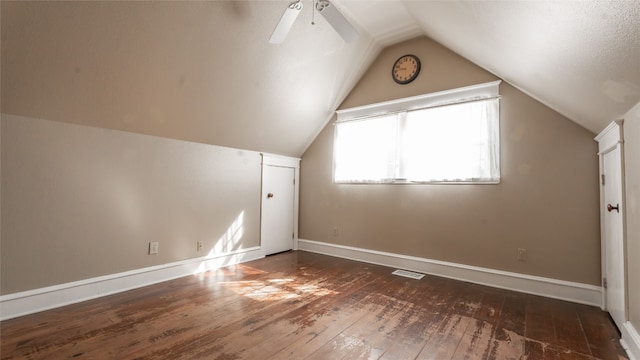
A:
{"points": [[300, 305]]}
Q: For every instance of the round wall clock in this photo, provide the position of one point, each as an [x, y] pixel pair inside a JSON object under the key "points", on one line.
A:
{"points": [[406, 69]]}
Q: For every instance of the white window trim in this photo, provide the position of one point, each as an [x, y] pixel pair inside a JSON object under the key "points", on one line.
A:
{"points": [[446, 97]]}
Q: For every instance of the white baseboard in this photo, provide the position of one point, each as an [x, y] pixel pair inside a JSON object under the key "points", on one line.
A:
{"points": [[32, 301], [552, 288], [630, 341]]}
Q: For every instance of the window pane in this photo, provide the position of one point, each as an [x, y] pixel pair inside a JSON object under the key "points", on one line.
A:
{"points": [[424, 141], [452, 143], [365, 150]]}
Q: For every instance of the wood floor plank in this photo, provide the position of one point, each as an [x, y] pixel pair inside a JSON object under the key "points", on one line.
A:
{"points": [[513, 315], [569, 332], [537, 350], [300, 318], [443, 345], [600, 332], [476, 341], [411, 341], [539, 320], [342, 345], [507, 345], [348, 307], [239, 332], [468, 300], [491, 304], [379, 332], [324, 330], [300, 305], [385, 302]]}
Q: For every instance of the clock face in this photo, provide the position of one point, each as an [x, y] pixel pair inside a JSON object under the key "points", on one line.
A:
{"points": [[406, 69]]}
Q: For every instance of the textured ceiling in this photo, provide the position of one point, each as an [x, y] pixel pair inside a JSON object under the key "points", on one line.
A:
{"points": [[205, 72], [581, 58]]}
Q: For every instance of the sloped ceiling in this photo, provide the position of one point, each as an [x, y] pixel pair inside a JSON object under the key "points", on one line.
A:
{"points": [[190, 70], [205, 72], [581, 58]]}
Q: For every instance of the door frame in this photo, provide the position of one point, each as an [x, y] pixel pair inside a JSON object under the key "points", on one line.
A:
{"points": [[288, 162], [609, 139]]}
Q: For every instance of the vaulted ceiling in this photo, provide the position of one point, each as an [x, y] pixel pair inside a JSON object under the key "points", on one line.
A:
{"points": [[205, 72], [581, 58]]}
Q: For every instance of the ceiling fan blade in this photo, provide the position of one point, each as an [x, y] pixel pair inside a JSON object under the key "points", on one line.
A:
{"points": [[335, 18], [286, 22]]}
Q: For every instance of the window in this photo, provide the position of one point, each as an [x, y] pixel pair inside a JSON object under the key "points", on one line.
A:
{"points": [[447, 137]]}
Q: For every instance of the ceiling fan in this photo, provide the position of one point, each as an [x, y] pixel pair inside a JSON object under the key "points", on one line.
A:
{"points": [[333, 16]]}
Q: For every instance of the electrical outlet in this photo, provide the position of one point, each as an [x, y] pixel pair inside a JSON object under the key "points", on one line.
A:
{"points": [[200, 245], [335, 232], [522, 254], [153, 247]]}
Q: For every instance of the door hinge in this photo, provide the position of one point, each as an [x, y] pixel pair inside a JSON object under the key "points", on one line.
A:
{"points": [[604, 283], [293, 235], [602, 177]]}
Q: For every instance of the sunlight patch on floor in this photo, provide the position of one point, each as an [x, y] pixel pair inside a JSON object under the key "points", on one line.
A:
{"points": [[275, 289]]}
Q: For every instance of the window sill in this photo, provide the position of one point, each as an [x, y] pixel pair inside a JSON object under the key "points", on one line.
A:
{"points": [[405, 182]]}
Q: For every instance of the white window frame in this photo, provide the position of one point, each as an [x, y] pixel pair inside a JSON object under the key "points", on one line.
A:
{"points": [[485, 91]]}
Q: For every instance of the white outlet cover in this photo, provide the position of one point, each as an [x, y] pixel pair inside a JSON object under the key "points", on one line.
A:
{"points": [[153, 247], [522, 254]]}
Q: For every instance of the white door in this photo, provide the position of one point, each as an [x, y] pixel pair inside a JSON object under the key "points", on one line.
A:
{"points": [[614, 256], [278, 191]]}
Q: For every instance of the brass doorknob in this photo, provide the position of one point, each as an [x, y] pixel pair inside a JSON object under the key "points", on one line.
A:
{"points": [[616, 208]]}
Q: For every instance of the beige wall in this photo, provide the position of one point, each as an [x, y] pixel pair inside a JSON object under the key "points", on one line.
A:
{"points": [[547, 201], [632, 179], [80, 202]]}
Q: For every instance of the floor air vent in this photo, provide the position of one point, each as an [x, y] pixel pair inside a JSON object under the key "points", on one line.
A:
{"points": [[409, 274]]}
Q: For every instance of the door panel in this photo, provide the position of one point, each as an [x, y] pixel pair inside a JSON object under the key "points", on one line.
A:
{"points": [[614, 237], [277, 209]]}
